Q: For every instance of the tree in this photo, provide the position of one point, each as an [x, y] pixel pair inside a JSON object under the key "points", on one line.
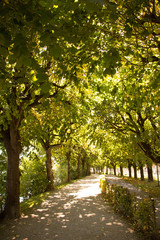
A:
{"points": [[44, 47], [132, 106], [24, 82], [35, 41]]}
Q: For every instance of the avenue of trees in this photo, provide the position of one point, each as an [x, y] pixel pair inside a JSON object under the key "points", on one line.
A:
{"points": [[79, 89]]}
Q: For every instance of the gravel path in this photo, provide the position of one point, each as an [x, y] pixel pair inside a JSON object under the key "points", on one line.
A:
{"points": [[75, 212]]}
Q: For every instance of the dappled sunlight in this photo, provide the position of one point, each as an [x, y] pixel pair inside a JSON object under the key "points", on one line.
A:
{"points": [[42, 210], [75, 212], [89, 214], [90, 191], [34, 215]]}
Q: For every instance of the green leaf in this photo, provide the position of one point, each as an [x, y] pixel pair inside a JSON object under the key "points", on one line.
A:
{"points": [[46, 38], [27, 61], [56, 51], [3, 52], [46, 4], [45, 87], [42, 77], [5, 38], [155, 83], [21, 80], [128, 30], [92, 5]]}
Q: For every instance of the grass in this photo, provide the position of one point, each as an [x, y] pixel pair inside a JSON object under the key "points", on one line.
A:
{"points": [[29, 205], [150, 187]]}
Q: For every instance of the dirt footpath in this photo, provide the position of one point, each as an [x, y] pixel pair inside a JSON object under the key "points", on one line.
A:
{"points": [[76, 212]]}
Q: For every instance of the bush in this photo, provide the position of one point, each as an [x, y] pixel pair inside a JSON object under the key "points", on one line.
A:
{"points": [[60, 173], [103, 185], [33, 176], [123, 201], [144, 216], [140, 213]]}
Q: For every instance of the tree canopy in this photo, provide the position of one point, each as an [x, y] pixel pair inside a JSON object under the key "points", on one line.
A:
{"points": [[82, 74]]}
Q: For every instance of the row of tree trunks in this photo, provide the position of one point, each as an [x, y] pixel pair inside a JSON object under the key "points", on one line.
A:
{"points": [[83, 167], [149, 171]]}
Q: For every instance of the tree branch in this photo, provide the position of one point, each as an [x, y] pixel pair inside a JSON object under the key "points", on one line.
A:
{"points": [[56, 145]]}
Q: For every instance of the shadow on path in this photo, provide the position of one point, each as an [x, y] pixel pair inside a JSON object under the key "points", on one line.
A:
{"points": [[73, 213]]}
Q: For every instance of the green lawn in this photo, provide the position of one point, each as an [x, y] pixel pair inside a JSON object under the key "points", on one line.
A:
{"points": [[150, 187], [29, 205]]}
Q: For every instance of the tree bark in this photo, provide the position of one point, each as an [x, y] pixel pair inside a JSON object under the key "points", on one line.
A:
{"points": [[50, 176], [121, 170], [88, 169], [147, 149], [83, 167], [135, 170], [129, 169], [79, 167], [68, 155], [11, 138], [150, 172], [114, 169], [142, 172]]}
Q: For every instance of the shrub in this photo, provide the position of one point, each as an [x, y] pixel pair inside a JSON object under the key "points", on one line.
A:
{"points": [[103, 184], [145, 216], [60, 173], [33, 176], [123, 201], [140, 213]]}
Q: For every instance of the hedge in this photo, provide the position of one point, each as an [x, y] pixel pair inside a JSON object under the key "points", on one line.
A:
{"points": [[140, 213]]}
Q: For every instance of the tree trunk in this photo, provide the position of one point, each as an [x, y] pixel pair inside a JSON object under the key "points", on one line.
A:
{"points": [[157, 173], [142, 173], [114, 168], [121, 170], [12, 143], [88, 169], [50, 176], [150, 172], [129, 169], [135, 170], [147, 149], [79, 167], [83, 167], [68, 155]]}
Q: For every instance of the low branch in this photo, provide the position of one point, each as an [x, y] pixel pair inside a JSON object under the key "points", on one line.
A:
{"points": [[39, 97], [58, 145], [58, 86]]}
